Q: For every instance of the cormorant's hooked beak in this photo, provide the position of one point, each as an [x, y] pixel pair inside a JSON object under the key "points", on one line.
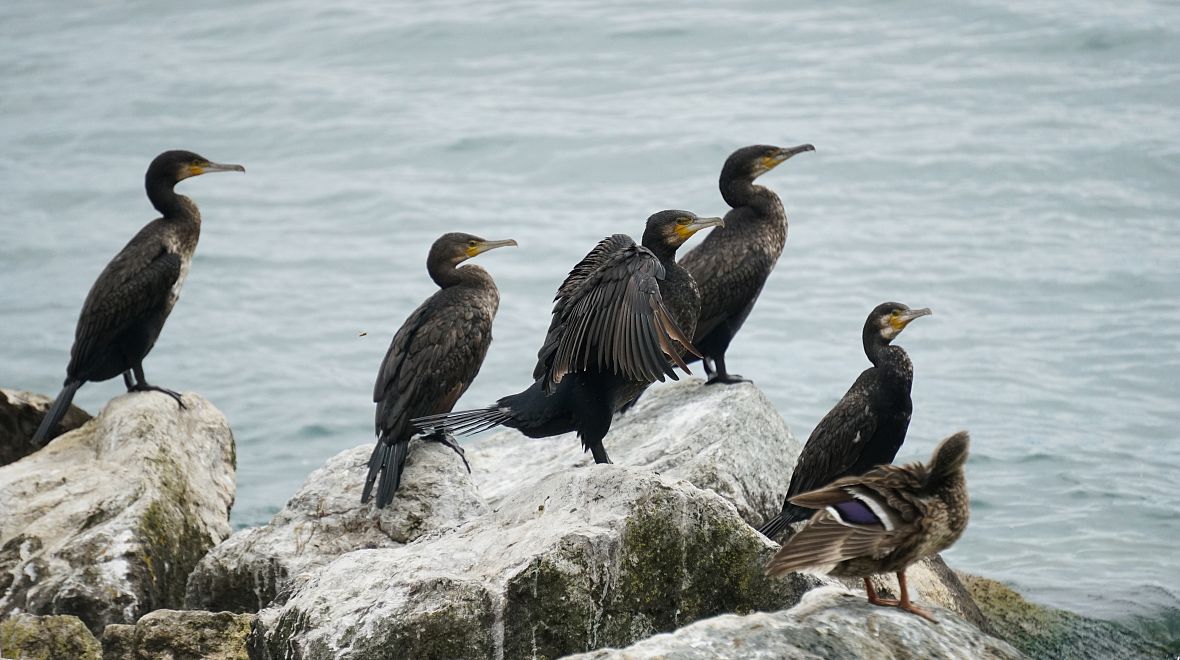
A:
{"points": [[490, 245], [207, 167], [903, 319], [698, 224], [783, 154]]}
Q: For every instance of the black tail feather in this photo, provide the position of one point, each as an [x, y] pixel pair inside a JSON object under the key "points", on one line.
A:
{"points": [[388, 460], [465, 422], [775, 526], [56, 411]]}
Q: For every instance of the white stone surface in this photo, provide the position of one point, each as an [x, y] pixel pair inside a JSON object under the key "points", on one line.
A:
{"points": [[107, 520], [829, 622], [326, 519], [727, 438]]}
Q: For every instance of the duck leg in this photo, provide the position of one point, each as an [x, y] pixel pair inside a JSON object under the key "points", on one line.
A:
{"points": [[874, 599], [905, 603]]}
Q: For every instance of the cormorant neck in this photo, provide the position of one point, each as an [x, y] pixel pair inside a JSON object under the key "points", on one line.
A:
{"points": [[664, 252], [447, 274], [881, 352], [162, 194], [741, 191]]}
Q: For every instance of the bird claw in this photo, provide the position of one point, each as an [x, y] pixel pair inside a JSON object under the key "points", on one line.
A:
{"points": [[727, 379], [906, 606], [143, 387], [448, 440]]}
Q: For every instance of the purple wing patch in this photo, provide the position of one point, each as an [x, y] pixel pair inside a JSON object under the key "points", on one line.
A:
{"points": [[856, 512]]}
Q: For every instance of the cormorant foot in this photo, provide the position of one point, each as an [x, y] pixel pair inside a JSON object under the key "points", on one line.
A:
{"points": [[727, 379], [449, 440], [144, 387]]}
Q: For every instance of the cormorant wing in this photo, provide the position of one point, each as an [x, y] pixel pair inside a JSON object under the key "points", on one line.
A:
{"points": [[729, 287], [133, 286], [838, 441], [430, 363], [609, 315]]}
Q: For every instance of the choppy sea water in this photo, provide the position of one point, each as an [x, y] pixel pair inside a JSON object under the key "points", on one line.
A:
{"points": [[1013, 166]]}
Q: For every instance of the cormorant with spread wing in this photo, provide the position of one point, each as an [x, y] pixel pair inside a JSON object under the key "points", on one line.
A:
{"points": [[433, 357], [621, 320], [132, 297], [866, 427]]}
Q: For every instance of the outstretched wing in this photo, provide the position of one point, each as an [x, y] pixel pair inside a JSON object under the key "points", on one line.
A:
{"points": [[135, 286], [609, 315]]}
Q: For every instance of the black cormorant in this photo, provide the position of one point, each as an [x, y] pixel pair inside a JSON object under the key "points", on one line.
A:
{"points": [[132, 297], [621, 320], [866, 427], [732, 263], [433, 357]]}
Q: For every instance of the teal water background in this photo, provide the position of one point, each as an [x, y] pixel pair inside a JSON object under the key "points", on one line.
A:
{"points": [[1014, 166]]}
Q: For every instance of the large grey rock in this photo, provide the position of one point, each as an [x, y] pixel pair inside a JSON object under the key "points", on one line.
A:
{"points": [[728, 439], [54, 637], [584, 558], [179, 635], [107, 520], [326, 519], [20, 415], [828, 623], [1045, 632]]}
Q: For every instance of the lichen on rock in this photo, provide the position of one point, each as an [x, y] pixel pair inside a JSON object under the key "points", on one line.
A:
{"points": [[179, 635], [326, 519], [107, 521], [53, 637]]}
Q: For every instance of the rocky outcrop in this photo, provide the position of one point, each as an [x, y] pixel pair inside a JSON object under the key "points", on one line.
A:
{"points": [[54, 637], [726, 439], [326, 519], [828, 623], [20, 415], [1045, 632], [179, 635], [107, 521], [596, 556]]}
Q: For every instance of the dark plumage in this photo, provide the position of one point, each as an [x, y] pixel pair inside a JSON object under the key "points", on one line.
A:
{"points": [[732, 263], [866, 427], [132, 297], [622, 319], [882, 521], [433, 357]]}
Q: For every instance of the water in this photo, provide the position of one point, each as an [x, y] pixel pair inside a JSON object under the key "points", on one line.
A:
{"points": [[1013, 167]]}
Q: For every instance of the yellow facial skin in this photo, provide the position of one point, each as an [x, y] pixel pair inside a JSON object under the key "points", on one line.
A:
{"points": [[477, 247], [687, 226]]}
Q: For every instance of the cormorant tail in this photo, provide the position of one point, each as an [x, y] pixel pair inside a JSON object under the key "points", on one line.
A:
{"points": [[775, 526], [56, 411], [388, 460], [464, 422]]}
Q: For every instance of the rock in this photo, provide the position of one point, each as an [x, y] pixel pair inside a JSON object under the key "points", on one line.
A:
{"points": [[1044, 632], [32, 637], [932, 581], [584, 558], [20, 415], [107, 520], [729, 439], [829, 622], [179, 635], [326, 519]]}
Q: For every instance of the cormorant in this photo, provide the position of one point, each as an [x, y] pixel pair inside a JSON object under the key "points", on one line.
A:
{"points": [[883, 521], [866, 427], [132, 297], [433, 357], [621, 320], [732, 263]]}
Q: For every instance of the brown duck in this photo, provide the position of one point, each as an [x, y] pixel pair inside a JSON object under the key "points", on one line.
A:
{"points": [[882, 521]]}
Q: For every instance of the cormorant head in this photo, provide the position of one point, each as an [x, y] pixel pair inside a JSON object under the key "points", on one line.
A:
{"points": [[456, 247], [749, 163], [890, 318], [178, 165], [672, 228]]}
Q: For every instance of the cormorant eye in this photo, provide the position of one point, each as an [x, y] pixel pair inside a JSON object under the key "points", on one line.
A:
{"points": [[683, 220], [472, 243]]}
